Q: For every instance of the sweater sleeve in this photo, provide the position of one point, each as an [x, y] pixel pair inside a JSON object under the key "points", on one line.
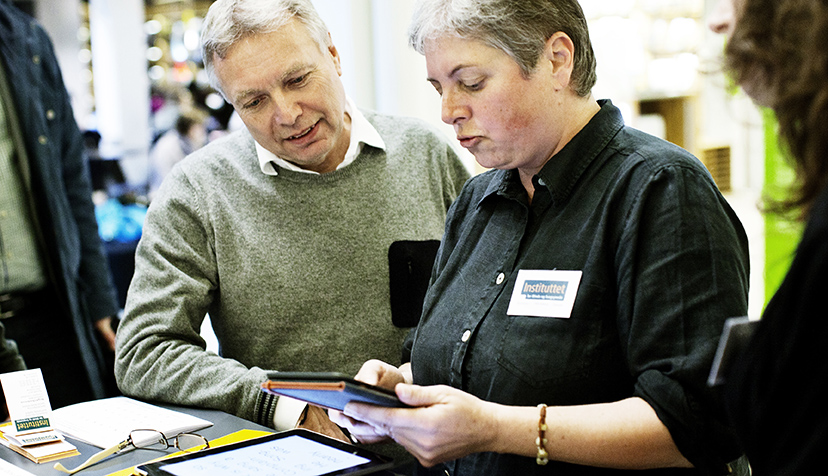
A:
{"points": [[160, 355]]}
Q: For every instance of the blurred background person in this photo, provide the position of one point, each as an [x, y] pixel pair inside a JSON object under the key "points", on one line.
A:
{"points": [[56, 294], [188, 135], [776, 392]]}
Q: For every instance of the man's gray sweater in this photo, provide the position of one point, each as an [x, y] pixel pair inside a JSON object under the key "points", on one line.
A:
{"points": [[292, 268]]}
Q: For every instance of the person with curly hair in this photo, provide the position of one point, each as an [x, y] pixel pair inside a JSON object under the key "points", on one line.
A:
{"points": [[777, 390]]}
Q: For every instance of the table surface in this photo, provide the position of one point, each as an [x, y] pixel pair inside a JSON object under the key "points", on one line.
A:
{"points": [[223, 424]]}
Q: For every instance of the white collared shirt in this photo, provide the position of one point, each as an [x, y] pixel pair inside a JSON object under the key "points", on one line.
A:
{"points": [[362, 132]]}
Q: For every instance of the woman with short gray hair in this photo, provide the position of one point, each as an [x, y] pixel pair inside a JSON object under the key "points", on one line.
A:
{"points": [[581, 284], [519, 29]]}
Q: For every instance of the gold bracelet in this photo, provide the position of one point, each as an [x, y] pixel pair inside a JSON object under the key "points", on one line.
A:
{"points": [[540, 442]]}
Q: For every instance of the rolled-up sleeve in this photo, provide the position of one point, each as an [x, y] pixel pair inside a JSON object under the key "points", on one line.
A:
{"points": [[683, 270]]}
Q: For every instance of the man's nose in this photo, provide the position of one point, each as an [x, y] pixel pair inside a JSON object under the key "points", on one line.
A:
{"points": [[286, 108]]}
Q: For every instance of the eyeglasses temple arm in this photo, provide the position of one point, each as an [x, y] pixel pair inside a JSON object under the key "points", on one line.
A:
{"points": [[94, 458]]}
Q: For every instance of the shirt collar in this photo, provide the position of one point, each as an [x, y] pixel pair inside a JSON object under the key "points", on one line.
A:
{"points": [[362, 132], [560, 173]]}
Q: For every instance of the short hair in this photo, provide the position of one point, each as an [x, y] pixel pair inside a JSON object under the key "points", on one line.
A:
{"points": [[518, 28], [229, 21]]}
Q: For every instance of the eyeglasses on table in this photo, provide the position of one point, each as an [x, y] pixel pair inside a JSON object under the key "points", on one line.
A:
{"points": [[145, 439]]}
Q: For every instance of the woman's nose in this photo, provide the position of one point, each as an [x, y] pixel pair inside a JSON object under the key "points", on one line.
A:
{"points": [[722, 19], [452, 110]]}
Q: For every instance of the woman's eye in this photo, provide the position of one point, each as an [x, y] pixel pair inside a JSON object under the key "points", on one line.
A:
{"points": [[436, 86], [473, 86]]}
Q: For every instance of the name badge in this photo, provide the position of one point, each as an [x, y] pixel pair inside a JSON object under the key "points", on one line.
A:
{"points": [[544, 293]]}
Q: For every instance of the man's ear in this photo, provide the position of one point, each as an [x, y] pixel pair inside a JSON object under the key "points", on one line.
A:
{"points": [[560, 53], [334, 55]]}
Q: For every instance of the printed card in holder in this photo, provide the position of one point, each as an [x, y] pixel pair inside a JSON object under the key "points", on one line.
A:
{"points": [[30, 432], [293, 452], [328, 389]]}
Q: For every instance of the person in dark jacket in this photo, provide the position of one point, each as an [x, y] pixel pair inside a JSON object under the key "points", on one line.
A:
{"points": [[776, 391], [56, 294]]}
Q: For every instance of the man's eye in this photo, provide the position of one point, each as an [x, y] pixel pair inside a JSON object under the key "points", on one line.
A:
{"points": [[252, 104], [298, 80]]}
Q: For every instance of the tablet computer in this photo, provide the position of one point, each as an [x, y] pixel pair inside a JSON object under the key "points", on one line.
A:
{"points": [[733, 341], [296, 452], [329, 389]]}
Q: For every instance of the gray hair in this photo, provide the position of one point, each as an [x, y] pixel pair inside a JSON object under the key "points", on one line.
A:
{"points": [[229, 21], [518, 28]]}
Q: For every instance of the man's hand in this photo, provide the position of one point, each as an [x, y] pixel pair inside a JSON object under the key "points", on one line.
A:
{"points": [[315, 419]]}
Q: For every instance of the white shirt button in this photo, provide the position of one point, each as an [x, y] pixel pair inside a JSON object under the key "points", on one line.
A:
{"points": [[500, 278], [466, 336]]}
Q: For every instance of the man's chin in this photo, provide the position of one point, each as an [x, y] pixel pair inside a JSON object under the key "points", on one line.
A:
{"points": [[314, 165]]}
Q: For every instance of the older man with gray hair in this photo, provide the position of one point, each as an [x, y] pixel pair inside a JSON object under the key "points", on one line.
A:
{"points": [[284, 232]]}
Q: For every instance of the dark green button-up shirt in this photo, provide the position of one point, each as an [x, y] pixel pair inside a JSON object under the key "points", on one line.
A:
{"points": [[664, 262]]}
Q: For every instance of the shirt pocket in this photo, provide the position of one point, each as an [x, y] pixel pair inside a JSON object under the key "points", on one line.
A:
{"points": [[546, 351]]}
